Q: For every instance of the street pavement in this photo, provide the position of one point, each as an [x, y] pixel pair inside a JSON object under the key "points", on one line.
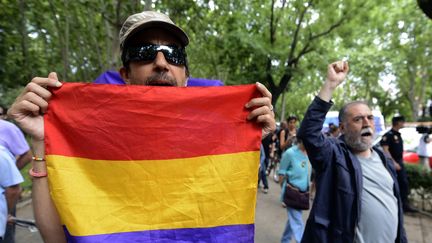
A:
{"points": [[269, 223]]}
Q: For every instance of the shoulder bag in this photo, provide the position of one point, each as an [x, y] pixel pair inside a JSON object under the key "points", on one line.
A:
{"points": [[294, 198]]}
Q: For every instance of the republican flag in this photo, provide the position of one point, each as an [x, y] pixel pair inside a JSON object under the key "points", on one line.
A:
{"points": [[153, 164]]}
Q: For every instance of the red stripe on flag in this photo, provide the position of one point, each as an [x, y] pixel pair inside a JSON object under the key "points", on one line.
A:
{"points": [[112, 122]]}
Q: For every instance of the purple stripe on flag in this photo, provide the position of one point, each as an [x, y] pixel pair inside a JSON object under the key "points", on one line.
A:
{"points": [[222, 234]]}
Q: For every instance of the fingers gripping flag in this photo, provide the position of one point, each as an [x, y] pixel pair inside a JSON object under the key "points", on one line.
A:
{"points": [[153, 164]]}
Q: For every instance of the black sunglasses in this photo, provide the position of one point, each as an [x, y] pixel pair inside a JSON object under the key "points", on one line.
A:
{"points": [[173, 54]]}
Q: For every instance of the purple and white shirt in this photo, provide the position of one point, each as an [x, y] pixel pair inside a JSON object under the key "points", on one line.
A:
{"points": [[12, 138]]}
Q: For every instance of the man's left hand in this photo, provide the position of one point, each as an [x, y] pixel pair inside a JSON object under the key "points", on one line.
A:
{"points": [[397, 166], [262, 110]]}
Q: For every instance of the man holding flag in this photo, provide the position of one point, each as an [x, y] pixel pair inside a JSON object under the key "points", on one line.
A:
{"points": [[153, 54]]}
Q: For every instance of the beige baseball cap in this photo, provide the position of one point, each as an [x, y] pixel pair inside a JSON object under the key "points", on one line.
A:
{"points": [[148, 19]]}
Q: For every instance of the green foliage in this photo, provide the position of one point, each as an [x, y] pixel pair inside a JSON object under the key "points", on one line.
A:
{"points": [[420, 183], [77, 39], [7, 97], [419, 178], [387, 44], [27, 184], [425, 119]]}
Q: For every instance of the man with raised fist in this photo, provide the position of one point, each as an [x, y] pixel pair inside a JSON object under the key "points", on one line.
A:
{"points": [[357, 196]]}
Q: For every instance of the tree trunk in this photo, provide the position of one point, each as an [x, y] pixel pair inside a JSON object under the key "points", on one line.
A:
{"points": [[413, 100], [24, 47], [282, 116], [66, 43], [102, 62], [147, 5], [63, 36]]}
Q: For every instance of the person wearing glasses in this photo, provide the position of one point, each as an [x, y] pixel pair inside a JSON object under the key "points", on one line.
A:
{"points": [[153, 53]]}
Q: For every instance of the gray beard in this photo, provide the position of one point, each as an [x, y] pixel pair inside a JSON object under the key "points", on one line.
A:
{"points": [[355, 143]]}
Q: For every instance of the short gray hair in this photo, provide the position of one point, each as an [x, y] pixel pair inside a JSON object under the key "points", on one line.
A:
{"points": [[342, 111]]}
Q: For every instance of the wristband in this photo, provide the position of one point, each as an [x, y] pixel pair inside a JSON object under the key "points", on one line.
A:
{"points": [[37, 174], [38, 159]]}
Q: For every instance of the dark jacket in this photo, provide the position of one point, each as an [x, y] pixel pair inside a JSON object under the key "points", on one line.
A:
{"points": [[336, 208]]}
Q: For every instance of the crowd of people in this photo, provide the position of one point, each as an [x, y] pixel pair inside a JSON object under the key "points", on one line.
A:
{"points": [[361, 191]]}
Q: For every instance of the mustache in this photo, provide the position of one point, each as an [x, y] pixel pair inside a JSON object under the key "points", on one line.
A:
{"points": [[366, 131], [161, 77]]}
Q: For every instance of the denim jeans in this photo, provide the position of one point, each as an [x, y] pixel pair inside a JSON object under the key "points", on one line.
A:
{"points": [[9, 236], [262, 176], [294, 226]]}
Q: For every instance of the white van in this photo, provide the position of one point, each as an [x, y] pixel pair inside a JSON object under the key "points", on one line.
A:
{"points": [[332, 117]]}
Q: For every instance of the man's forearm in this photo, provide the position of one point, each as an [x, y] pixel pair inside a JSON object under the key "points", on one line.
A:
{"points": [[326, 92], [310, 132], [282, 142], [311, 126], [24, 159], [386, 151], [12, 194], [46, 216]]}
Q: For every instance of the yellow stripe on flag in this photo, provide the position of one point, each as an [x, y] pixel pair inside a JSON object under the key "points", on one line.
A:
{"points": [[100, 196]]}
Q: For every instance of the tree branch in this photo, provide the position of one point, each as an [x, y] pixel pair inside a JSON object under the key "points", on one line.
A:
{"points": [[296, 33], [274, 21], [330, 29], [278, 17], [306, 49], [344, 16], [272, 25], [269, 77]]}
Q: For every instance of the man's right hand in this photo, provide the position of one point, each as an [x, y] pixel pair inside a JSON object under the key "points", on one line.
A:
{"points": [[336, 73], [32, 103]]}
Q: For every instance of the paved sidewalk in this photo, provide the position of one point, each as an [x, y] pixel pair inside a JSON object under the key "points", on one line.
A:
{"points": [[271, 218], [23, 235], [269, 223], [418, 228]]}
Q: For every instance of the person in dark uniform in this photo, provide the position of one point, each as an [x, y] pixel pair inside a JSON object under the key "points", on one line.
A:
{"points": [[392, 144]]}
